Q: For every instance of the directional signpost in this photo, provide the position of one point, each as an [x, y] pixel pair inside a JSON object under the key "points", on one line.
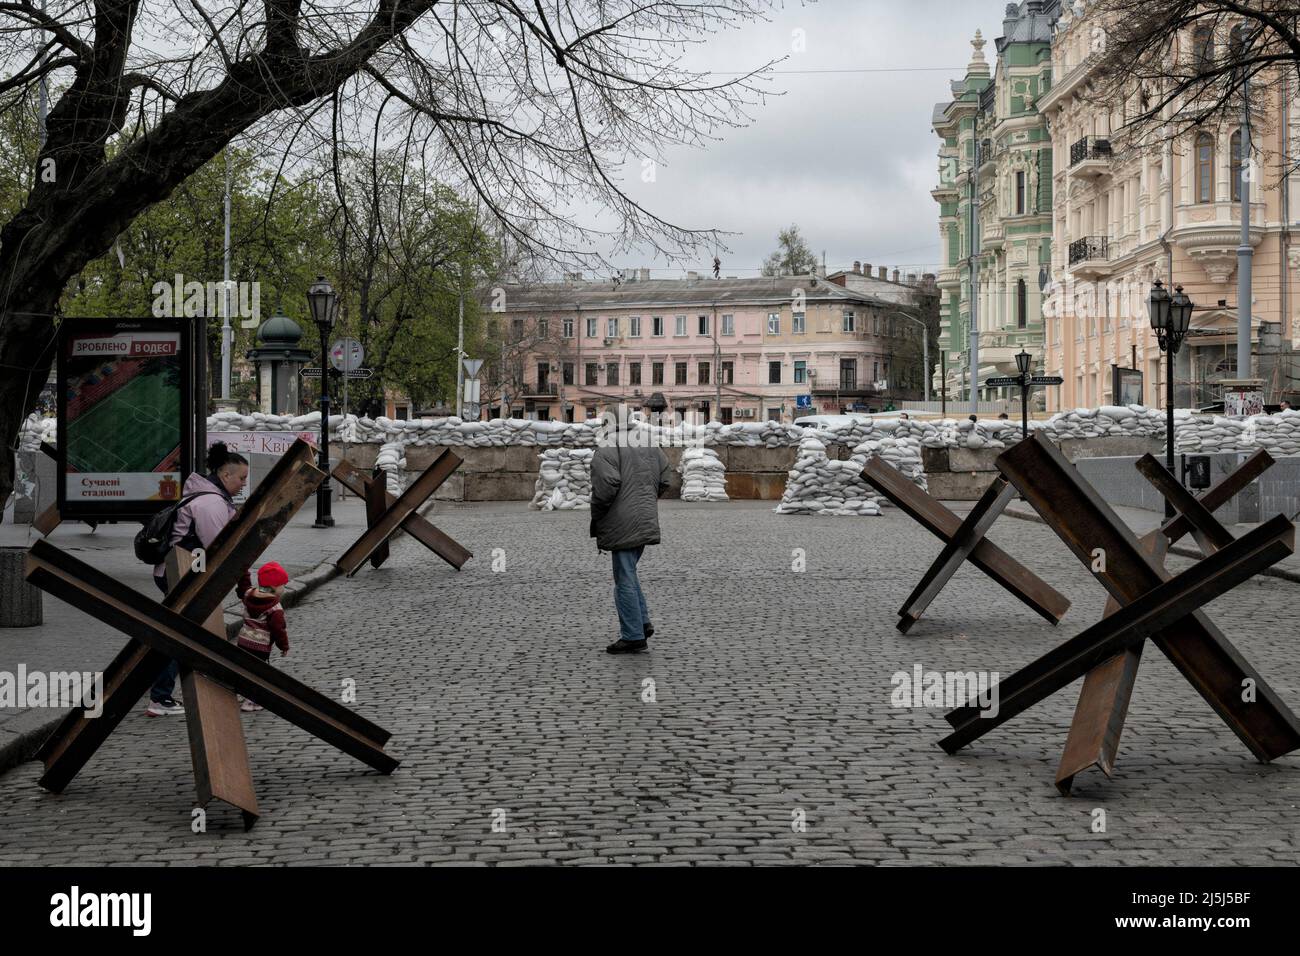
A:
{"points": [[1024, 381], [355, 373]]}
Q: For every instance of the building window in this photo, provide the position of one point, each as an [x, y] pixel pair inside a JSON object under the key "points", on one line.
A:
{"points": [[774, 414], [516, 329], [543, 327], [774, 323], [680, 325], [1020, 192], [1236, 166], [800, 373], [656, 373], [634, 373], [591, 374], [703, 376], [657, 325], [401, 412], [566, 328], [774, 373], [727, 373], [568, 373], [704, 325], [848, 374], [1204, 167], [728, 328], [612, 325], [848, 322], [725, 416], [679, 373], [591, 328], [798, 323], [875, 370], [611, 373], [1022, 304], [634, 326], [1203, 46], [591, 412]]}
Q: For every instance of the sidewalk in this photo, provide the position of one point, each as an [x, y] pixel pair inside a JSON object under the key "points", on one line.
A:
{"points": [[70, 640]]}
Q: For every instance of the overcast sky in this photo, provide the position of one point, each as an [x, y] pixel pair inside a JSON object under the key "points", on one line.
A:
{"points": [[849, 157]]}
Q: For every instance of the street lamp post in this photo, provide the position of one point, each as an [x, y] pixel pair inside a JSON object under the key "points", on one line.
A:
{"points": [[1170, 317], [324, 303], [1023, 359]]}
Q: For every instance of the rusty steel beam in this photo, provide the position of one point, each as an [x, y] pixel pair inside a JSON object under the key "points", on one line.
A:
{"points": [[1206, 529], [1223, 491], [218, 750], [376, 498], [955, 553], [1207, 659], [192, 646], [399, 513], [1167, 605], [48, 520], [265, 513], [1026, 586], [415, 525]]}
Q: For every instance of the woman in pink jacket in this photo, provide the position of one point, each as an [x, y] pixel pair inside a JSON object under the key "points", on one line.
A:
{"points": [[198, 522]]}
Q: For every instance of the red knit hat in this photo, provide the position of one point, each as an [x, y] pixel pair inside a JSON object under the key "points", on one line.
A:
{"points": [[271, 575]]}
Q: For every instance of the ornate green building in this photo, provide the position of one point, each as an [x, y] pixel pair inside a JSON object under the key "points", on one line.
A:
{"points": [[992, 118]]}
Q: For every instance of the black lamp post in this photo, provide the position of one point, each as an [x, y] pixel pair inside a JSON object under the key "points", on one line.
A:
{"points": [[324, 303], [1170, 317], [1023, 359]]}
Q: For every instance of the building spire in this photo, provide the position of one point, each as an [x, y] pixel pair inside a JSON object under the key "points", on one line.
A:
{"points": [[977, 62]]}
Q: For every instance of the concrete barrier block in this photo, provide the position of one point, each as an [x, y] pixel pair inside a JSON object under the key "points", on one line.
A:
{"points": [[499, 486], [362, 455], [743, 459], [761, 486], [453, 489], [959, 485], [1111, 447], [934, 459], [973, 459]]}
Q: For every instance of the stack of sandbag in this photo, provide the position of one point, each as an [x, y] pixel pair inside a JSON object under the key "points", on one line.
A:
{"points": [[704, 477], [902, 454], [1278, 434], [818, 485], [1210, 434], [1122, 421], [392, 460], [563, 480]]}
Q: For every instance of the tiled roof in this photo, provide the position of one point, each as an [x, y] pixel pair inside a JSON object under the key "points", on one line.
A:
{"points": [[667, 293]]}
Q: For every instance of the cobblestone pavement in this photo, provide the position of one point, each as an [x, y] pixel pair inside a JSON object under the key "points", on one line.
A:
{"points": [[771, 705]]}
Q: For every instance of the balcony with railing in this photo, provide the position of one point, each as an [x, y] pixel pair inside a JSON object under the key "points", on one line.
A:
{"points": [[541, 388], [1090, 255], [1090, 158]]}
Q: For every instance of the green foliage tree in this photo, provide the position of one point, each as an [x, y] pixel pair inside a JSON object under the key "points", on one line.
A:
{"points": [[792, 256]]}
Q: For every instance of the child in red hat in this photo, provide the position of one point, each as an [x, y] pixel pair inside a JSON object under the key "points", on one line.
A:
{"points": [[264, 618]]}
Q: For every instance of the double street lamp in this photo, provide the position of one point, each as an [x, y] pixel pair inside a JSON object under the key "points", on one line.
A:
{"points": [[1170, 317], [1023, 359], [324, 305]]}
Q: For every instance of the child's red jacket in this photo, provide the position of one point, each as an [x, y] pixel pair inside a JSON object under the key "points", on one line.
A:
{"points": [[263, 623]]}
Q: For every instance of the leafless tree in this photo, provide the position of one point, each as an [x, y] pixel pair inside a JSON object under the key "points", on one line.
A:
{"points": [[533, 107]]}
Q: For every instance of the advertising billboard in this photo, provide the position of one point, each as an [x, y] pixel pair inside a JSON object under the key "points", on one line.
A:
{"points": [[124, 407], [1126, 385]]}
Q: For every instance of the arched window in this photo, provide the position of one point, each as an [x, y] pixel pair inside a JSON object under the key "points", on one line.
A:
{"points": [[1204, 167], [1203, 46], [1236, 166], [1022, 304]]}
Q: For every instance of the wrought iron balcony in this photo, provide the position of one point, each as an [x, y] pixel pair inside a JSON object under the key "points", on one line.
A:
{"points": [[1090, 157], [1089, 249], [545, 388]]}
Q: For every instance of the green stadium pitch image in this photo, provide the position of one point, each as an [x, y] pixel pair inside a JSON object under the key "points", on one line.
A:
{"points": [[122, 409]]}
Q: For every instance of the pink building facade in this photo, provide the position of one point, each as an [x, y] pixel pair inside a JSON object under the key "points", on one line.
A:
{"points": [[712, 349]]}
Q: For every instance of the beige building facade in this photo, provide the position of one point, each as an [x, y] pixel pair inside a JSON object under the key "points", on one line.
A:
{"points": [[1123, 217]]}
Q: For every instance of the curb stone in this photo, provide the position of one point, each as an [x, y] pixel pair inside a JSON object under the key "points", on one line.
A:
{"points": [[19, 746]]}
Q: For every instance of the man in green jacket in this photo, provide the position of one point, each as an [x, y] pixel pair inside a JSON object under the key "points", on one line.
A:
{"points": [[627, 479]]}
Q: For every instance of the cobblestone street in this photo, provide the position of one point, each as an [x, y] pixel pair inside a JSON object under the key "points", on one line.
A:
{"points": [[771, 705]]}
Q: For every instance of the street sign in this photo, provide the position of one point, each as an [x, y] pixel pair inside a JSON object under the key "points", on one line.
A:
{"points": [[1046, 380], [309, 372], [472, 391], [472, 366], [1002, 380], [803, 401], [346, 355]]}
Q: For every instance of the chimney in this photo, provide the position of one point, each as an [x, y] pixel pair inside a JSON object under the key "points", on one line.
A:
{"points": [[866, 269], [884, 273], [895, 275], [911, 278], [645, 275], [857, 267], [692, 277]]}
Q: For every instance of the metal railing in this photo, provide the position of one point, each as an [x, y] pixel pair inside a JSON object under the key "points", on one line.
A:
{"points": [[1089, 249], [1090, 147]]}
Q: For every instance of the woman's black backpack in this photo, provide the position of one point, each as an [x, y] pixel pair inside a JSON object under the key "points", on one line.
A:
{"points": [[153, 541]]}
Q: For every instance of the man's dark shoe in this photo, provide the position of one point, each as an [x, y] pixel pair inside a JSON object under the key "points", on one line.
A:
{"points": [[649, 631], [626, 647]]}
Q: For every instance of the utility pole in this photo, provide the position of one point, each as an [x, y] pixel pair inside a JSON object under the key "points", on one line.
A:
{"points": [[226, 331], [717, 365], [1245, 253], [460, 350], [974, 280]]}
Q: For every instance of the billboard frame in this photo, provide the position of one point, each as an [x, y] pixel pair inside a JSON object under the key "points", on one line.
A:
{"points": [[127, 508]]}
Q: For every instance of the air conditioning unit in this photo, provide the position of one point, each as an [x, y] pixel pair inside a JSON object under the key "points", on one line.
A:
{"points": [[636, 393], [744, 413]]}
